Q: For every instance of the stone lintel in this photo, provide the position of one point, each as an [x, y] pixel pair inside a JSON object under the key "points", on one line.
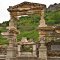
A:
{"points": [[26, 5]]}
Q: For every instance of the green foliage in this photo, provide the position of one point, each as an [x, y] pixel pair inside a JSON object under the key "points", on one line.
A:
{"points": [[27, 25], [3, 40], [29, 34], [53, 17], [6, 23]]}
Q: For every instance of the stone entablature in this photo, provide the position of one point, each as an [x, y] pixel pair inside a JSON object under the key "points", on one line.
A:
{"points": [[25, 8]]}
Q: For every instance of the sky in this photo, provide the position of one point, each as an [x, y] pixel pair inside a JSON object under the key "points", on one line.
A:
{"points": [[4, 4]]}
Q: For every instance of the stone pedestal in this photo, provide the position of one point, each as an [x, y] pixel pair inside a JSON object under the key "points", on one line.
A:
{"points": [[19, 50], [34, 50], [42, 51], [11, 53]]}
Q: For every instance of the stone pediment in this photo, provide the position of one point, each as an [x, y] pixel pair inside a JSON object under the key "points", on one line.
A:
{"points": [[26, 6]]}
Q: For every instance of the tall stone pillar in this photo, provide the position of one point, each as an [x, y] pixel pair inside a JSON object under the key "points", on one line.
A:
{"points": [[34, 50], [11, 36], [42, 32]]}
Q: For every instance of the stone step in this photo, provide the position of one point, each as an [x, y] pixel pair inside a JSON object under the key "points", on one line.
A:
{"points": [[28, 58]]}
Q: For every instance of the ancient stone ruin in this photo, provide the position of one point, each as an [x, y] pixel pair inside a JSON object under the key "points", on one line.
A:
{"points": [[40, 50]]}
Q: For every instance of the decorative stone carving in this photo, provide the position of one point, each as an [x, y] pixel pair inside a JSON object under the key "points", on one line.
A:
{"points": [[42, 49], [42, 21], [25, 8], [11, 36]]}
